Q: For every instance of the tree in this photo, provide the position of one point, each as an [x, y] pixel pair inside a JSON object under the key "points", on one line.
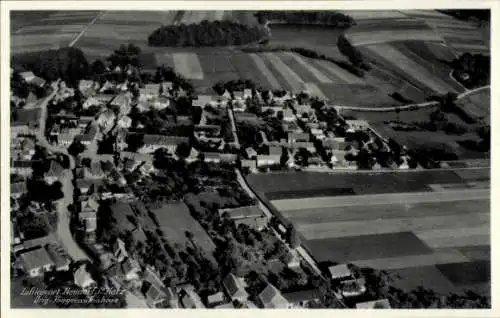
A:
{"points": [[437, 116], [76, 148], [98, 67], [68, 63], [183, 150]]}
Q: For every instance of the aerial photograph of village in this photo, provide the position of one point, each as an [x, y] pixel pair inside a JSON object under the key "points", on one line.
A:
{"points": [[250, 159]]}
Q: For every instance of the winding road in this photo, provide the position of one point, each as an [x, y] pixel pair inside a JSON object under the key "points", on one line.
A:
{"points": [[63, 232]]}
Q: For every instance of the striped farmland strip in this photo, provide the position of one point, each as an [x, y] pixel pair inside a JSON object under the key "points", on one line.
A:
{"points": [[391, 263], [340, 73], [455, 237], [295, 82], [393, 225], [309, 66], [265, 71]]}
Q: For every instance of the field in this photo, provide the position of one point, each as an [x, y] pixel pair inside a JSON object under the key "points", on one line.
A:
{"points": [[461, 36], [374, 31], [438, 239], [413, 64], [175, 220], [50, 30], [278, 186]]}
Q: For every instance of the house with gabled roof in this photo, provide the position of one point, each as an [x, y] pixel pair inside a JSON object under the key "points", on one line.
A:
{"points": [[247, 93], [119, 250], [300, 299], [131, 269], [215, 299], [190, 299], [94, 171], [17, 189], [235, 288], [271, 297], [241, 212], [59, 257], [339, 272], [293, 137], [36, 261], [154, 142], [268, 160], [353, 287], [250, 164], [54, 173], [258, 223], [21, 167], [238, 95]]}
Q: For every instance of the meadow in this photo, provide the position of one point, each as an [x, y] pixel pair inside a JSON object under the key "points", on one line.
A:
{"points": [[175, 220]]}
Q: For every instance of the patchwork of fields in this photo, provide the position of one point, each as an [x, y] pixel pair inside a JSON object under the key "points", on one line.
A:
{"points": [[49, 31], [459, 35], [428, 238], [413, 64]]}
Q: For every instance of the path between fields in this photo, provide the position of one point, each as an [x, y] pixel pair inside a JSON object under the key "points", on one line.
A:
{"points": [[406, 107], [73, 42]]}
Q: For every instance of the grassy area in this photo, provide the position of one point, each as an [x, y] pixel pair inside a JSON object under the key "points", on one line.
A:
{"points": [[175, 221]]}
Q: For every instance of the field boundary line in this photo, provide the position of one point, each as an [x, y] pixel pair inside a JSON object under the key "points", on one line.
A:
{"points": [[78, 37]]}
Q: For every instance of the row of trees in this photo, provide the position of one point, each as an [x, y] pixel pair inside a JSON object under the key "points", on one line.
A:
{"points": [[352, 53], [206, 33], [332, 18]]}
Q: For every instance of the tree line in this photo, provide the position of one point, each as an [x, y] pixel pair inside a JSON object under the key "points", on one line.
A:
{"points": [[332, 18], [206, 33]]}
